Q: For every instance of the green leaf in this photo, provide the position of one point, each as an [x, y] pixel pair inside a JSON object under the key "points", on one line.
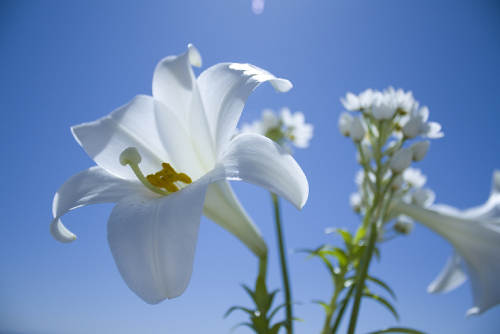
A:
{"points": [[339, 254], [384, 285], [398, 330], [360, 234], [383, 302], [239, 308], [241, 324], [326, 307], [345, 235]]}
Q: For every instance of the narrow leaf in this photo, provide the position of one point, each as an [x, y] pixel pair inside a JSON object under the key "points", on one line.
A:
{"points": [[383, 302], [384, 285]]}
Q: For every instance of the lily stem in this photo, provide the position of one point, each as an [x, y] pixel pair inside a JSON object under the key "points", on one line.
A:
{"points": [[284, 270]]}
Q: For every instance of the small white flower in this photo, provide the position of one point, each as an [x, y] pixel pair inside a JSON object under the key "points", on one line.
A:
{"points": [[416, 124], [255, 127], [414, 177], [269, 119], [351, 102], [298, 130], [345, 120], [384, 107], [368, 98]]}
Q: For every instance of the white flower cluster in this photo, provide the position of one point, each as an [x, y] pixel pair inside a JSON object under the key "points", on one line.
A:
{"points": [[381, 131], [283, 128]]}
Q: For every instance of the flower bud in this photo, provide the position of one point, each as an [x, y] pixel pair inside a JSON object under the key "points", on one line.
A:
{"points": [[401, 160], [357, 131], [345, 121], [397, 182], [420, 150], [404, 224], [412, 128], [356, 201], [423, 197]]}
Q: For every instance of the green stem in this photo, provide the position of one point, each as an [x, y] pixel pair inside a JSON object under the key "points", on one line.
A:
{"points": [[361, 277], [284, 270], [342, 310], [333, 304], [263, 266]]}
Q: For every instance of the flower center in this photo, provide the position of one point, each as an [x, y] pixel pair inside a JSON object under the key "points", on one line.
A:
{"points": [[167, 178]]}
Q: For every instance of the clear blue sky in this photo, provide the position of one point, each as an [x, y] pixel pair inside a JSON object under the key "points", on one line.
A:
{"points": [[66, 62]]}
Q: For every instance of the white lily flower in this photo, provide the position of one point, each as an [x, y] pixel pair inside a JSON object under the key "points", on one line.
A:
{"points": [[475, 235], [182, 133]]}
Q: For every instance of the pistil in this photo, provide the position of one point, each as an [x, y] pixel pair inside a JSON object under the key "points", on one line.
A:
{"points": [[167, 178]]}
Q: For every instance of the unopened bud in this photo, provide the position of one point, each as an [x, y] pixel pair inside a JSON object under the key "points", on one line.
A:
{"points": [[412, 128], [404, 224], [345, 120], [355, 201], [423, 197], [397, 182], [401, 160], [357, 131], [420, 150]]}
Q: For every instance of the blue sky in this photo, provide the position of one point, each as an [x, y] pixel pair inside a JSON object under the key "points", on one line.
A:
{"points": [[63, 63]]}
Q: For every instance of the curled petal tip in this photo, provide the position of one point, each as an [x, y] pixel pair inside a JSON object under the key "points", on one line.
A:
{"points": [[473, 311], [60, 232], [281, 85], [194, 56]]}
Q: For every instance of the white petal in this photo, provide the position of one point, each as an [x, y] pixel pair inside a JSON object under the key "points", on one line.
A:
{"points": [[477, 242], [177, 142], [90, 186], [256, 159], [223, 207], [450, 278], [345, 120], [224, 89], [153, 240], [173, 82], [351, 102], [132, 125]]}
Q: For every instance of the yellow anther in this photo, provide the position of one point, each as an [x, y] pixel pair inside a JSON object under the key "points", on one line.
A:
{"points": [[166, 177]]}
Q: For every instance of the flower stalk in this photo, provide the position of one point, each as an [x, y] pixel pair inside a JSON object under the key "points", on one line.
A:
{"points": [[284, 269]]}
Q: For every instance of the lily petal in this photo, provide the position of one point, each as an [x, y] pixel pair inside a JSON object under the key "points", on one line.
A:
{"points": [[256, 159], [223, 207], [224, 89], [477, 242], [173, 81], [450, 278], [133, 125], [91, 186], [153, 240]]}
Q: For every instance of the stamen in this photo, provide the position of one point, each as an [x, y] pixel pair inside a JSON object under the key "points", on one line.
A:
{"points": [[132, 157], [168, 178]]}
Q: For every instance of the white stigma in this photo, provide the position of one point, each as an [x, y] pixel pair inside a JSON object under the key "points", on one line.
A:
{"points": [[130, 155]]}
